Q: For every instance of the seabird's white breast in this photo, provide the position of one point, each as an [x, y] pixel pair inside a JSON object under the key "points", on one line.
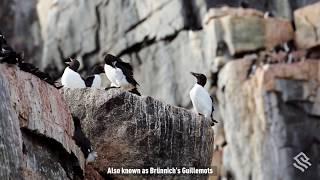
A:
{"points": [[116, 76], [72, 79], [201, 100], [96, 81]]}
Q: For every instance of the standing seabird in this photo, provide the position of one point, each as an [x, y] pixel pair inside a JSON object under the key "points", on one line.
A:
{"points": [[267, 15], [201, 100], [95, 80], [83, 142], [120, 74], [70, 77]]}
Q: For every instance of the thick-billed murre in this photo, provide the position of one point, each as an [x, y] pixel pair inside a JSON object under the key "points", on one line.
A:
{"points": [[83, 142], [201, 100], [70, 77], [120, 74], [94, 80]]}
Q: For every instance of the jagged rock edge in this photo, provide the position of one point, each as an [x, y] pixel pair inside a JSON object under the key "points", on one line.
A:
{"points": [[53, 145]]}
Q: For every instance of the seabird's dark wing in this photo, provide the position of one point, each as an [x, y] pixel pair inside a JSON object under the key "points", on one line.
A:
{"points": [[213, 120], [30, 68], [126, 65], [80, 139], [89, 80], [127, 70], [135, 91], [212, 103]]}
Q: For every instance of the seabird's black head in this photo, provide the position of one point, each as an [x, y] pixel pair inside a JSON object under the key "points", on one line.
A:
{"points": [[97, 69], [244, 4], [2, 39], [201, 79], [73, 64], [110, 59]]}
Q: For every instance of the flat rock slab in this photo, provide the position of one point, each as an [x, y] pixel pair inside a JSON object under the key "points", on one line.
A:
{"points": [[307, 25], [135, 132], [245, 30]]}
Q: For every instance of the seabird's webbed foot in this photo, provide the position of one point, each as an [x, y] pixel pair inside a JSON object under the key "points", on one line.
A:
{"points": [[111, 87], [213, 122], [135, 91], [58, 87]]}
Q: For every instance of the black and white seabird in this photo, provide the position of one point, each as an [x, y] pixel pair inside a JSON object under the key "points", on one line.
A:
{"points": [[201, 100], [70, 77], [268, 14], [7, 54], [120, 74], [94, 80], [83, 142]]}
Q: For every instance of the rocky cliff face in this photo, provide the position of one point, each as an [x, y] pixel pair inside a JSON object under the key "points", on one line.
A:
{"points": [[165, 38], [36, 130], [278, 113], [126, 131], [267, 99], [129, 131]]}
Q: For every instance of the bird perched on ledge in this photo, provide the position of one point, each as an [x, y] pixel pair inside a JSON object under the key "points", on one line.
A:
{"points": [[70, 77], [201, 100], [94, 80], [83, 142], [10, 56], [120, 74]]}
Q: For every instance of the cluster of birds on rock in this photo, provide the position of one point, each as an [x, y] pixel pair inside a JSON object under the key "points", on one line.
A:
{"points": [[9, 56], [117, 71], [120, 75]]}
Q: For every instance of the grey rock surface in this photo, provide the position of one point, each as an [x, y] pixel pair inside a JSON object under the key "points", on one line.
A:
{"points": [[36, 130], [164, 40], [272, 118], [143, 33], [306, 19], [132, 131]]}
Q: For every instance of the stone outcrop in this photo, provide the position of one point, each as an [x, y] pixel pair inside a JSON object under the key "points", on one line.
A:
{"points": [[267, 101], [131, 131], [36, 130], [106, 27], [306, 19], [275, 117], [166, 46], [245, 30]]}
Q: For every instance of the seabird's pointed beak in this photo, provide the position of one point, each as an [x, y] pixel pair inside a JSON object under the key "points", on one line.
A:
{"points": [[68, 61], [194, 74]]}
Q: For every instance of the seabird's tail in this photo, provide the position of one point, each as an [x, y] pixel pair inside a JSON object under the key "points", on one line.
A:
{"points": [[135, 91], [213, 121]]}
